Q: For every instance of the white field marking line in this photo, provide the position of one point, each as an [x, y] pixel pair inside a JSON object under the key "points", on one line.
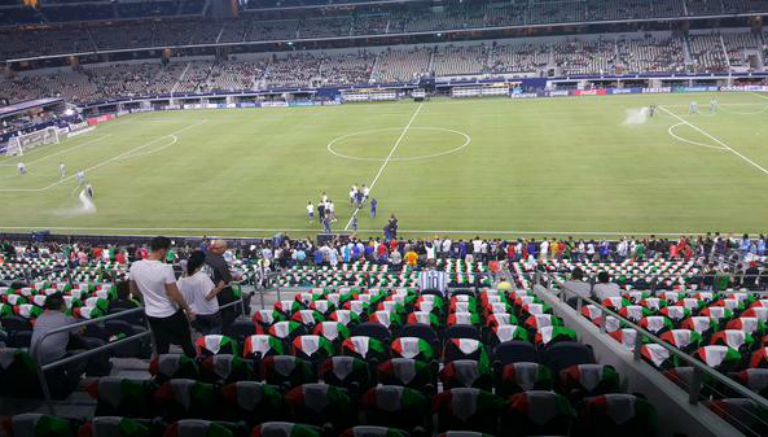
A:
{"points": [[103, 163], [415, 231], [467, 141], [174, 140], [386, 161], [679, 138], [60, 152], [708, 135], [37, 150], [760, 95]]}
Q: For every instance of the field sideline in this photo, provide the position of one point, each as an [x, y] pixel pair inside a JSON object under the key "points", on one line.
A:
{"points": [[497, 167]]}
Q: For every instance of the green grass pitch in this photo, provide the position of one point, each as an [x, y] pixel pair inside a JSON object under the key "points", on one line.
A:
{"points": [[498, 166]]}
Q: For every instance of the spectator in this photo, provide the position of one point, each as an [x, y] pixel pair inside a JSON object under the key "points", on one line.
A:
{"points": [[576, 285], [200, 293], [222, 276], [164, 304], [124, 299], [605, 289]]}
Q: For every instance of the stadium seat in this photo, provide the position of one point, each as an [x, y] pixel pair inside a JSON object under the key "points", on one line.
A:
{"points": [[373, 431], [365, 348], [513, 352], [537, 413], [562, 355], [466, 374], [616, 414], [468, 409], [372, 330], [260, 346], [400, 407], [408, 372], [225, 369], [586, 380], [169, 366], [208, 345], [286, 371], [347, 372], [122, 397], [321, 404], [39, 425], [252, 401], [523, 376], [286, 429]]}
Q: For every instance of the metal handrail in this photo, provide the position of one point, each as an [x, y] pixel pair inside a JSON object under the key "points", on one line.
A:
{"points": [[697, 365]]}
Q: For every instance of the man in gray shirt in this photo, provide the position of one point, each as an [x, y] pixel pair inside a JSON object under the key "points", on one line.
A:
{"points": [[54, 346]]}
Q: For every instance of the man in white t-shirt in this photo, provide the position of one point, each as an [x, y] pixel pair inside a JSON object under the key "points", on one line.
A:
{"points": [[201, 294], [605, 288], [164, 305]]}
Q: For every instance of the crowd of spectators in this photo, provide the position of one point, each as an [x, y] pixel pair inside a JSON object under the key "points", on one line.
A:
{"points": [[191, 28], [623, 54]]}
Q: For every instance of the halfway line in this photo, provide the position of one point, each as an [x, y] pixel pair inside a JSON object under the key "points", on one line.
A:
{"points": [[386, 161]]}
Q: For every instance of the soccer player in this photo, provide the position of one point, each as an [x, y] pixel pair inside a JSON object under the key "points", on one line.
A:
{"points": [[324, 198], [374, 207], [89, 191], [310, 211], [366, 192], [80, 176], [652, 111], [352, 195], [693, 108], [22, 168], [713, 106], [62, 170], [354, 223], [332, 210]]}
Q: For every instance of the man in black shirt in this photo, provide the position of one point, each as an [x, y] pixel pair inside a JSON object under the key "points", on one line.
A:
{"points": [[220, 273]]}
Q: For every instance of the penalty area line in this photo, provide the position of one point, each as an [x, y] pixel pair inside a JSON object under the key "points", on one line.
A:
{"points": [[715, 139], [386, 161]]}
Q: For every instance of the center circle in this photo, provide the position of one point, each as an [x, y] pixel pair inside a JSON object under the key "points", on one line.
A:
{"points": [[333, 145]]}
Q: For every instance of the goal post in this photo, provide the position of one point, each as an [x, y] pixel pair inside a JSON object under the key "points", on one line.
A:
{"points": [[25, 142]]}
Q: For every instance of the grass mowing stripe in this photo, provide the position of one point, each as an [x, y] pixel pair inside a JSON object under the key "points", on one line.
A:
{"points": [[708, 135], [386, 161]]}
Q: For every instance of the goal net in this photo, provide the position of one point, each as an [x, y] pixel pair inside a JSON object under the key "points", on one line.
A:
{"points": [[20, 144]]}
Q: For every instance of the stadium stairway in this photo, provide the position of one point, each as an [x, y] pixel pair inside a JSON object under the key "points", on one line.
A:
{"points": [[675, 410]]}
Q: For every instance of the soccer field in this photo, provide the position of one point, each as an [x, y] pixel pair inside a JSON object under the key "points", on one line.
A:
{"points": [[500, 167]]}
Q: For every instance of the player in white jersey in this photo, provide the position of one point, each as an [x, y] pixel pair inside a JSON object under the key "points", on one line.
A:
{"points": [[713, 105], [62, 170], [80, 175], [366, 192], [310, 212], [22, 168], [693, 108]]}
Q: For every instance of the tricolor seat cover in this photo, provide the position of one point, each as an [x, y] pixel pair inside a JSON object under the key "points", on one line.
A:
{"points": [[525, 376], [466, 373], [406, 372], [225, 369], [114, 426], [553, 334], [39, 425], [412, 347], [504, 333], [333, 331], [197, 428], [681, 338], [373, 431], [718, 356], [215, 344], [541, 407], [364, 347], [424, 318], [733, 338], [308, 318], [252, 396], [262, 345], [286, 429], [286, 370], [169, 366], [311, 347], [590, 379], [285, 330], [346, 371]]}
